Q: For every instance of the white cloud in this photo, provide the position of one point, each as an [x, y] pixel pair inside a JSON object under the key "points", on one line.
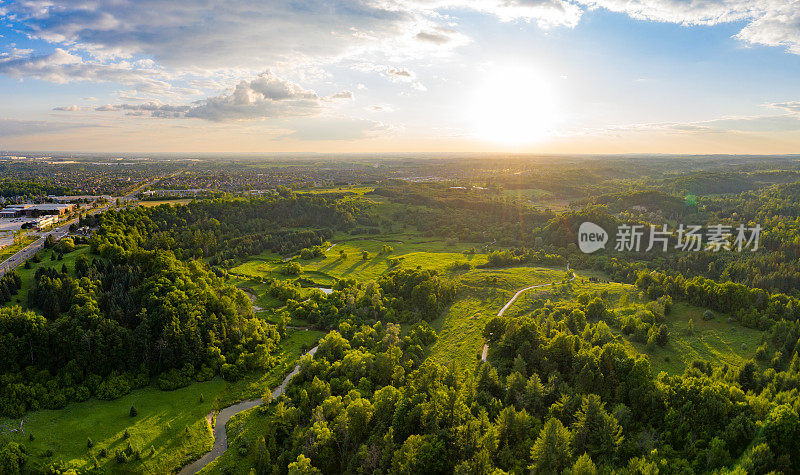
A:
{"points": [[267, 96], [793, 106], [72, 108], [768, 22], [62, 67]]}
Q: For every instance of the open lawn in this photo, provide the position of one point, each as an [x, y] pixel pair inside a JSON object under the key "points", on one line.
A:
{"points": [[481, 294], [409, 251], [169, 430], [717, 341], [359, 190]]}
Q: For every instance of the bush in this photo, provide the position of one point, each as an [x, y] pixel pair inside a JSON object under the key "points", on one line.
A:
{"points": [[174, 379], [292, 268], [708, 315]]}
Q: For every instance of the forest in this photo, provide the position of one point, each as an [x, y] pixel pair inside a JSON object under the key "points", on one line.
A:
{"points": [[406, 282]]}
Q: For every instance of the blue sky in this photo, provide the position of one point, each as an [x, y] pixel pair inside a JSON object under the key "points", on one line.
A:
{"points": [[551, 76]]}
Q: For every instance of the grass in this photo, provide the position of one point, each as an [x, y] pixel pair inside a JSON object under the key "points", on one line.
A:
{"points": [[481, 294], [172, 423], [27, 275], [9, 251], [170, 429], [411, 251], [359, 190], [717, 341], [255, 385]]}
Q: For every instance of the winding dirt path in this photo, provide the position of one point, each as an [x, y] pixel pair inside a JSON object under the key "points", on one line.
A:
{"points": [[508, 304]]}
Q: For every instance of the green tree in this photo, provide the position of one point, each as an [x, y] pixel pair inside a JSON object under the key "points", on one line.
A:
{"points": [[551, 453], [302, 466], [583, 466], [596, 432]]}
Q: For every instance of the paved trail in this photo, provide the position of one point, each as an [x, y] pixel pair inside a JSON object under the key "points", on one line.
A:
{"points": [[508, 304], [220, 432]]}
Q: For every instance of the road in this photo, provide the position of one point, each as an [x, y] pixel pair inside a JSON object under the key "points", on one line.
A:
{"points": [[60, 232], [508, 304]]}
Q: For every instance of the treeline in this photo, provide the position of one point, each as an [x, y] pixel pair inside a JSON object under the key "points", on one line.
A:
{"points": [[516, 257], [560, 394], [755, 308], [122, 320], [226, 228], [466, 215], [29, 189], [595, 401], [401, 296], [10, 283]]}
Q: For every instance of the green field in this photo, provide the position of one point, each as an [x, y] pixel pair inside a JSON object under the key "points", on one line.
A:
{"points": [[359, 190], [718, 341], [481, 294], [170, 429], [410, 251]]}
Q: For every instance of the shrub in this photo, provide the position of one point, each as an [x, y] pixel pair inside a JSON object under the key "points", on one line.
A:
{"points": [[708, 315]]}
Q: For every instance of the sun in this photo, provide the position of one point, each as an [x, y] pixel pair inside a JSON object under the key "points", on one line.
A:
{"points": [[514, 105]]}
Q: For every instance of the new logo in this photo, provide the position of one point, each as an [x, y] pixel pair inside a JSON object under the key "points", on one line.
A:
{"points": [[591, 237]]}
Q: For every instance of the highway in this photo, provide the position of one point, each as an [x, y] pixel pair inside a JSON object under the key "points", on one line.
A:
{"points": [[28, 252], [63, 230]]}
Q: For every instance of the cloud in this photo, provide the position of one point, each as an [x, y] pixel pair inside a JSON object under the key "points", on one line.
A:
{"points": [[152, 108], [343, 95], [72, 108], [723, 125], [15, 128], [768, 22], [395, 74], [216, 34], [62, 67], [267, 96], [793, 107], [546, 13]]}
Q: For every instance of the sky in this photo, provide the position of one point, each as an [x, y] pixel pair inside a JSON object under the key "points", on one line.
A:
{"points": [[337, 76]]}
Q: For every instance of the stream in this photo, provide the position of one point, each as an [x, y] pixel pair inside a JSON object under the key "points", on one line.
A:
{"points": [[221, 434]]}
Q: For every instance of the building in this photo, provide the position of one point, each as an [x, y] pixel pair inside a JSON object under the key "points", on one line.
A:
{"points": [[45, 221], [49, 209], [34, 210]]}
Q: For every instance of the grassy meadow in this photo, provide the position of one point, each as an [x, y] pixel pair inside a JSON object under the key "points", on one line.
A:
{"points": [[171, 428]]}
